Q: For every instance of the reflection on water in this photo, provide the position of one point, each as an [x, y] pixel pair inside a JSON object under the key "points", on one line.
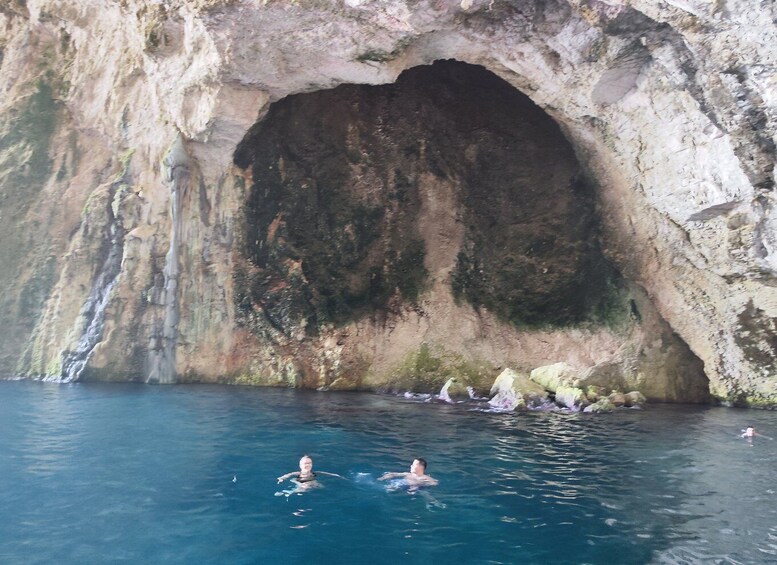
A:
{"points": [[97, 473]]}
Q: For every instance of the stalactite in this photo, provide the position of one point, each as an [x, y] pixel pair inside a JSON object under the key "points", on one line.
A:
{"points": [[165, 335]]}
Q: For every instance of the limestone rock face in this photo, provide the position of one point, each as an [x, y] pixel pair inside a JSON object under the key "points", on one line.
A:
{"points": [[254, 192]]}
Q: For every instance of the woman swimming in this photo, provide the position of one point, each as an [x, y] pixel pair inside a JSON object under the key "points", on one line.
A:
{"points": [[305, 473]]}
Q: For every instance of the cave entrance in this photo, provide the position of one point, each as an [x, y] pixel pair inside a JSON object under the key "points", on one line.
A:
{"points": [[437, 226], [448, 177]]}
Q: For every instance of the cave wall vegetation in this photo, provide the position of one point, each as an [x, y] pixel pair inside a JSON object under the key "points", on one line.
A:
{"points": [[355, 215]]}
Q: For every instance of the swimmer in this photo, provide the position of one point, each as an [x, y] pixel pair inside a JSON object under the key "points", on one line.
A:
{"points": [[417, 476], [750, 433], [305, 473]]}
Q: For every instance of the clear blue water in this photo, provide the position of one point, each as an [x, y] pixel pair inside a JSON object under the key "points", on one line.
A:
{"points": [[141, 474]]}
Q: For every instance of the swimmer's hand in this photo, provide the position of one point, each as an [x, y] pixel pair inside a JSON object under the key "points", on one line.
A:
{"points": [[387, 476]]}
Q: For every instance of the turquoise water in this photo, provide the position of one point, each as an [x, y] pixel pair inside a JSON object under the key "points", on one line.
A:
{"points": [[183, 474]]}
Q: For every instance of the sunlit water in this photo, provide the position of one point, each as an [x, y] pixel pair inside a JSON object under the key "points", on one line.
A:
{"points": [[141, 474]]}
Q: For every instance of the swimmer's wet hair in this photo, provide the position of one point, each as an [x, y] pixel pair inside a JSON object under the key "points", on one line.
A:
{"points": [[422, 461]]}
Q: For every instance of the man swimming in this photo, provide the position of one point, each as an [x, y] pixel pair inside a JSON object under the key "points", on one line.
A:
{"points": [[750, 432], [417, 476]]}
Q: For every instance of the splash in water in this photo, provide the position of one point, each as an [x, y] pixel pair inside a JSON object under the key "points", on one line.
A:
{"points": [[504, 396], [443, 395]]}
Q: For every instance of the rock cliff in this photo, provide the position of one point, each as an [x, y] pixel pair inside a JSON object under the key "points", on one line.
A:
{"points": [[364, 194]]}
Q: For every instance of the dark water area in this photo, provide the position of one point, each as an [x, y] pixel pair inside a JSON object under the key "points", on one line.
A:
{"points": [[184, 474]]}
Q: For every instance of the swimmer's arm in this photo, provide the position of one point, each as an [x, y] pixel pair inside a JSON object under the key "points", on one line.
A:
{"points": [[387, 476], [330, 474], [287, 476]]}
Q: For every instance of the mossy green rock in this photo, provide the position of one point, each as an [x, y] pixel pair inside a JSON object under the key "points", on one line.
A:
{"points": [[429, 367], [519, 383], [758, 401], [593, 393], [569, 396], [552, 377], [603, 405]]}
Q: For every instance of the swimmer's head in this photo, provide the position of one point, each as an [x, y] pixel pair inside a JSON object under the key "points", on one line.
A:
{"points": [[306, 464], [418, 467]]}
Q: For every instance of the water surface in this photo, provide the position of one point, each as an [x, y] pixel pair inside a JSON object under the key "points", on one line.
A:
{"points": [[185, 474]]}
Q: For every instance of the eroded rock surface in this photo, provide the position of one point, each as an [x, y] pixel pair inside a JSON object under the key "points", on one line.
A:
{"points": [[388, 245]]}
